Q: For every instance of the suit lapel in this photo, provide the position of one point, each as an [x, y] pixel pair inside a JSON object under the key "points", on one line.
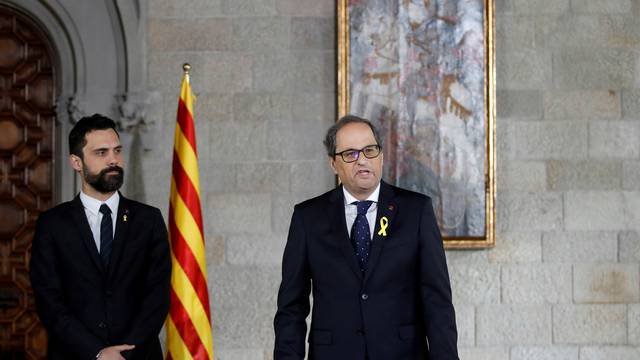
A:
{"points": [[387, 210], [122, 228], [339, 225], [82, 224]]}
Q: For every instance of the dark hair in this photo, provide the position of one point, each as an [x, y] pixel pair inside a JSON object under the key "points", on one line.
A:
{"points": [[77, 136], [330, 139]]}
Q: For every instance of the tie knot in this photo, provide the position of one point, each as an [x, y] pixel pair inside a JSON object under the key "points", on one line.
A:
{"points": [[105, 210], [363, 206]]}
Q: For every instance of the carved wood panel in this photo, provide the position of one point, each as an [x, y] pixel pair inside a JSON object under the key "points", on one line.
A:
{"points": [[27, 128]]}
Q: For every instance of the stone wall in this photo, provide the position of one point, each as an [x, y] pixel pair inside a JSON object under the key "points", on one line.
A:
{"points": [[563, 281]]}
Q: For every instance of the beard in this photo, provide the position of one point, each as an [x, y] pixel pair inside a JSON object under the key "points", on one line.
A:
{"points": [[102, 182]]}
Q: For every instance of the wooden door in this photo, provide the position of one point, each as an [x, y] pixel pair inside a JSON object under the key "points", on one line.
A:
{"points": [[27, 128]]}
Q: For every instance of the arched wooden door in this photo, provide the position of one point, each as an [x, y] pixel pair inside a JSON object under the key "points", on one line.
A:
{"points": [[27, 128]]}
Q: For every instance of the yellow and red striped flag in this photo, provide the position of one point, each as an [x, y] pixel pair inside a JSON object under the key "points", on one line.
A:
{"points": [[189, 322]]}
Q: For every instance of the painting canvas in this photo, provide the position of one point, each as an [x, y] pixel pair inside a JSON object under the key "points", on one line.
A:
{"points": [[422, 71]]}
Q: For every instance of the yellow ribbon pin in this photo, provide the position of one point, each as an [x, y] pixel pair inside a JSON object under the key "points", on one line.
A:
{"points": [[124, 218], [384, 223]]}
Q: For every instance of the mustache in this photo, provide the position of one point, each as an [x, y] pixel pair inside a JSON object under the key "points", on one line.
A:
{"points": [[115, 168]]}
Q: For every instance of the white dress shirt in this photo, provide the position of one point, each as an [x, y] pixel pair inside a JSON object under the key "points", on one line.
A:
{"points": [[351, 210], [94, 216]]}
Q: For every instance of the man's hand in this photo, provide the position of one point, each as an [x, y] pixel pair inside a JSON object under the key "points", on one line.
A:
{"points": [[113, 352]]}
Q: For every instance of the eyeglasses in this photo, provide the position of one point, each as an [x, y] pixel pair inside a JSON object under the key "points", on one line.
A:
{"points": [[351, 155]]}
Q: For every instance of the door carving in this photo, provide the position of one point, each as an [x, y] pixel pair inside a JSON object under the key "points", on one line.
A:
{"points": [[27, 134]]}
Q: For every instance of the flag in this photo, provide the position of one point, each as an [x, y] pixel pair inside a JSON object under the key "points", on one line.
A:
{"points": [[189, 322]]}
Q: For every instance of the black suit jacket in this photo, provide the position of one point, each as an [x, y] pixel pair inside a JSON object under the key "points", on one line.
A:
{"points": [[85, 307], [403, 299]]}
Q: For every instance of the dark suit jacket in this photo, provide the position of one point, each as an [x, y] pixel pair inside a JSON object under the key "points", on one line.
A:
{"points": [[403, 299], [85, 307]]}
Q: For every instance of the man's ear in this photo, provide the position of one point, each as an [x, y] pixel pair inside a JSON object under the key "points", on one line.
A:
{"points": [[76, 162], [332, 162]]}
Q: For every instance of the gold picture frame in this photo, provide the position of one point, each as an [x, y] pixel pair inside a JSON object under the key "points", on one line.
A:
{"points": [[414, 28]]}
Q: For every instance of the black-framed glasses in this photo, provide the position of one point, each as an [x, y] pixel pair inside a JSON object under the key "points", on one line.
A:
{"points": [[351, 155]]}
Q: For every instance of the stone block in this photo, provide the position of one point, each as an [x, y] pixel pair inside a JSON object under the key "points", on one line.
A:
{"points": [[529, 211], [228, 213], [589, 324], [602, 7], [507, 325], [264, 177], [261, 33], [295, 140], [282, 208], [521, 104], [614, 139], [310, 8], [209, 107], [631, 104], [563, 31], [598, 105], [593, 68], [579, 246], [189, 34], [544, 353], [522, 176], [594, 210], [632, 209], [517, 247], [536, 284], [514, 32], [466, 324], [260, 250], [238, 354], [243, 301], [476, 256], [484, 353], [549, 139], [524, 69], [184, 8], [310, 175], [315, 106], [540, 6], [313, 33], [272, 72], [584, 175], [314, 71], [621, 30], [629, 245], [606, 283], [221, 177], [214, 248], [634, 324], [631, 175], [609, 353], [236, 141], [475, 283], [249, 7], [260, 107], [218, 72]]}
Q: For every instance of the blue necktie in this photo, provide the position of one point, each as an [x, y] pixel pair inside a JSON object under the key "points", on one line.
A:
{"points": [[361, 235], [106, 234]]}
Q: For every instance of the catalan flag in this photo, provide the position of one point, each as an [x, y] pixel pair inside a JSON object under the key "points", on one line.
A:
{"points": [[189, 322]]}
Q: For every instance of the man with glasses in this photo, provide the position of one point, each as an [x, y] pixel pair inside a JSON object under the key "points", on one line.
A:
{"points": [[372, 255]]}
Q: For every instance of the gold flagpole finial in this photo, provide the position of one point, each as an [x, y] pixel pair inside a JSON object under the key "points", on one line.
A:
{"points": [[186, 67]]}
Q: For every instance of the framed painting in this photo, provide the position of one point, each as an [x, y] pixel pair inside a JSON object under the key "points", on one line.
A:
{"points": [[423, 71]]}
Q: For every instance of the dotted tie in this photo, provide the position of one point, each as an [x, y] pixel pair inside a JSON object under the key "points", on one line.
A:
{"points": [[361, 235], [106, 234]]}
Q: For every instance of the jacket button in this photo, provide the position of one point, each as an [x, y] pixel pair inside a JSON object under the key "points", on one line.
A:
{"points": [[359, 332], [108, 293], [102, 325], [364, 296]]}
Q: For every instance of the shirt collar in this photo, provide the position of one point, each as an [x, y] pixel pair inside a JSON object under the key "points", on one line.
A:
{"points": [[349, 199], [93, 205]]}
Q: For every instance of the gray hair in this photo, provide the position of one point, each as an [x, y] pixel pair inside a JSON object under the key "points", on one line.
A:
{"points": [[330, 139]]}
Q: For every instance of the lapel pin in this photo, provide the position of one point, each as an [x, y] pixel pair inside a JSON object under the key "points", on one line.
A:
{"points": [[124, 218], [391, 207], [384, 223]]}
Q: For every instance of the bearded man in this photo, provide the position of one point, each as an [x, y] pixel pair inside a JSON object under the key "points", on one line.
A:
{"points": [[100, 266]]}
